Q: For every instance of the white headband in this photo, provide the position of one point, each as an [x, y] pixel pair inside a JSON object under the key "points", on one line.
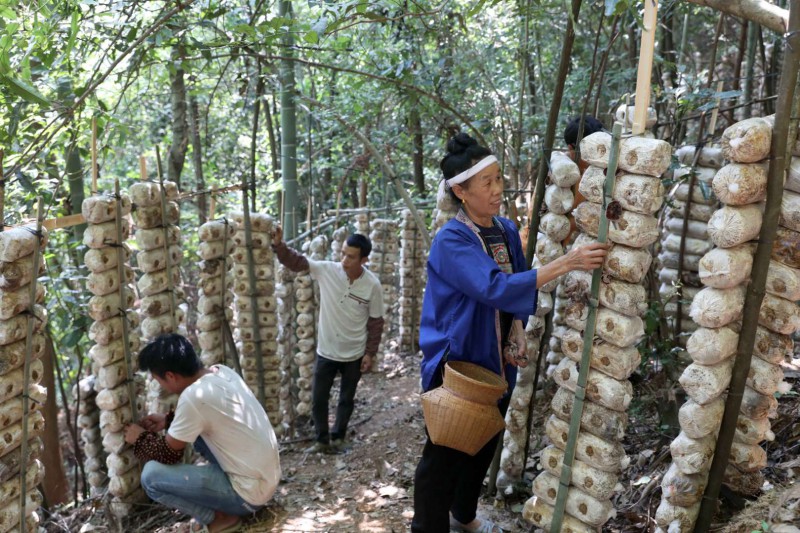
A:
{"points": [[464, 176], [477, 167]]}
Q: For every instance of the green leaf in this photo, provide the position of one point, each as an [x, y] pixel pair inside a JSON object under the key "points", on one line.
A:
{"points": [[615, 6], [311, 37], [71, 339], [23, 90], [73, 32]]}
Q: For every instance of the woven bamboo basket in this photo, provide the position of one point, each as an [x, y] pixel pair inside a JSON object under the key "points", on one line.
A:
{"points": [[462, 414]]}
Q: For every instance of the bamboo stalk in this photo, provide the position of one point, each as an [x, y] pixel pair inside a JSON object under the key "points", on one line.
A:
{"points": [[645, 66], [758, 278], [129, 374], [23, 492], [2, 191], [94, 155], [142, 168], [588, 339]]}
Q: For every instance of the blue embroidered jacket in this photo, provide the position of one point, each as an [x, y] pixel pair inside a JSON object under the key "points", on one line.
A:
{"points": [[465, 287]]}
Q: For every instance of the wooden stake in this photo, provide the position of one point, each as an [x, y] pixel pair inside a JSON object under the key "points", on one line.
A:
{"points": [[251, 281], [142, 168], [23, 492], [212, 209], [94, 156], [713, 124], [645, 66]]}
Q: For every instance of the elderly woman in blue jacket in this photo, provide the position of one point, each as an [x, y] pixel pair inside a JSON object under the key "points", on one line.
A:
{"points": [[478, 297]]}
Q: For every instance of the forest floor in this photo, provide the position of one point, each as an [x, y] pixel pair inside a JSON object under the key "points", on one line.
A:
{"points": [[369, 488]]}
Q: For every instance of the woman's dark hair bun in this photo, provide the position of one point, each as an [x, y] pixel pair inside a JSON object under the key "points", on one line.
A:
{"points": [[459, 143]]}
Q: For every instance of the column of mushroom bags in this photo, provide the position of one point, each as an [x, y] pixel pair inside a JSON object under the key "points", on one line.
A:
{"points": [[16, 265], [94, 457], [112, 304], [305, 348], [555, 225], [159, 257], [255, 311], [214, 310], [779, 319], [701, 206], [554, 228], [383, 263], [599, 455], [717, 310], [339, 238], [412, 281], [361, 223], [287, 317]]}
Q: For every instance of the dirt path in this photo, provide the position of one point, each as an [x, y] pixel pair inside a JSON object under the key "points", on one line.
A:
{"points": [[370, 487]]}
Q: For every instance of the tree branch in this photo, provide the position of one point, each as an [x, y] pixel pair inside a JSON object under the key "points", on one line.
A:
{"points": [[760, 11]]}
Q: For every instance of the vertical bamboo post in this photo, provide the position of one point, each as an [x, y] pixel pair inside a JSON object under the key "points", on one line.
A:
{"points": [[94, 155], [26, 383], [645, 66], [713, 123], [588, 339], [167, 259], [251, 281], [129, 375], [142, 168], [2, 191], [755, 290]]}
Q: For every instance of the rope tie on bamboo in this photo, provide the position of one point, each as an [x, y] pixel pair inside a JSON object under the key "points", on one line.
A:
{"points": [[31, 398], [33, 231]]}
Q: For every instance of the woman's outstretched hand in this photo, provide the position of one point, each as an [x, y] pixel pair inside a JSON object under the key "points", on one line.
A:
{"points": [[587, 257]]}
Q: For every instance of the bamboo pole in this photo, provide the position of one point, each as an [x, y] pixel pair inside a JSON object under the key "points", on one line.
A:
{"points": [[2, 191], [642, 102], [142, 168], [167, 259], [758, 278], [23, 492], [94, 155], [588, 339], [550, 133], [129, 374]]}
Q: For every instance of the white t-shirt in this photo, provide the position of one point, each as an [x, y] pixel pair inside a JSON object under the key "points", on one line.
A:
{"points": [[344, 309], [221, 408]]}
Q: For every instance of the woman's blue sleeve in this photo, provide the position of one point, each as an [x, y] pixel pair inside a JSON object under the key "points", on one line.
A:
{"points": [[461, 261]]}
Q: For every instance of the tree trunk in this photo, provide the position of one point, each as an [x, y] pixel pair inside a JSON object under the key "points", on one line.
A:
{"points": [[760, 11], [197, 158], [254, 136], [749, 82], [273, 146], [291, 200], [415, 128], [72, 160], [55, 485], [180, 136]]}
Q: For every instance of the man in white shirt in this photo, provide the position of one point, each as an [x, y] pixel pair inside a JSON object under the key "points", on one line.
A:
{"points": [[219, 414], [349, 331]]}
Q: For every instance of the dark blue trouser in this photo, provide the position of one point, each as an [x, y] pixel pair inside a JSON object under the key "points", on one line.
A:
{"points": [[449, 481], [325, 371]]}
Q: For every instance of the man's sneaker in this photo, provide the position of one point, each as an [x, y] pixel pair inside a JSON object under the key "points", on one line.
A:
{"points": [[340, 445], [320, 447]]}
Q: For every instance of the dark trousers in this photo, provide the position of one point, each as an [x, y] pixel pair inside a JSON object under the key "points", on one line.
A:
{"points": [[325, 371], [449, 481]]}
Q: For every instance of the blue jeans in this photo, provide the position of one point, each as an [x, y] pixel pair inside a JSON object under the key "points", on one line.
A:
{"points": [[197, 491]]}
